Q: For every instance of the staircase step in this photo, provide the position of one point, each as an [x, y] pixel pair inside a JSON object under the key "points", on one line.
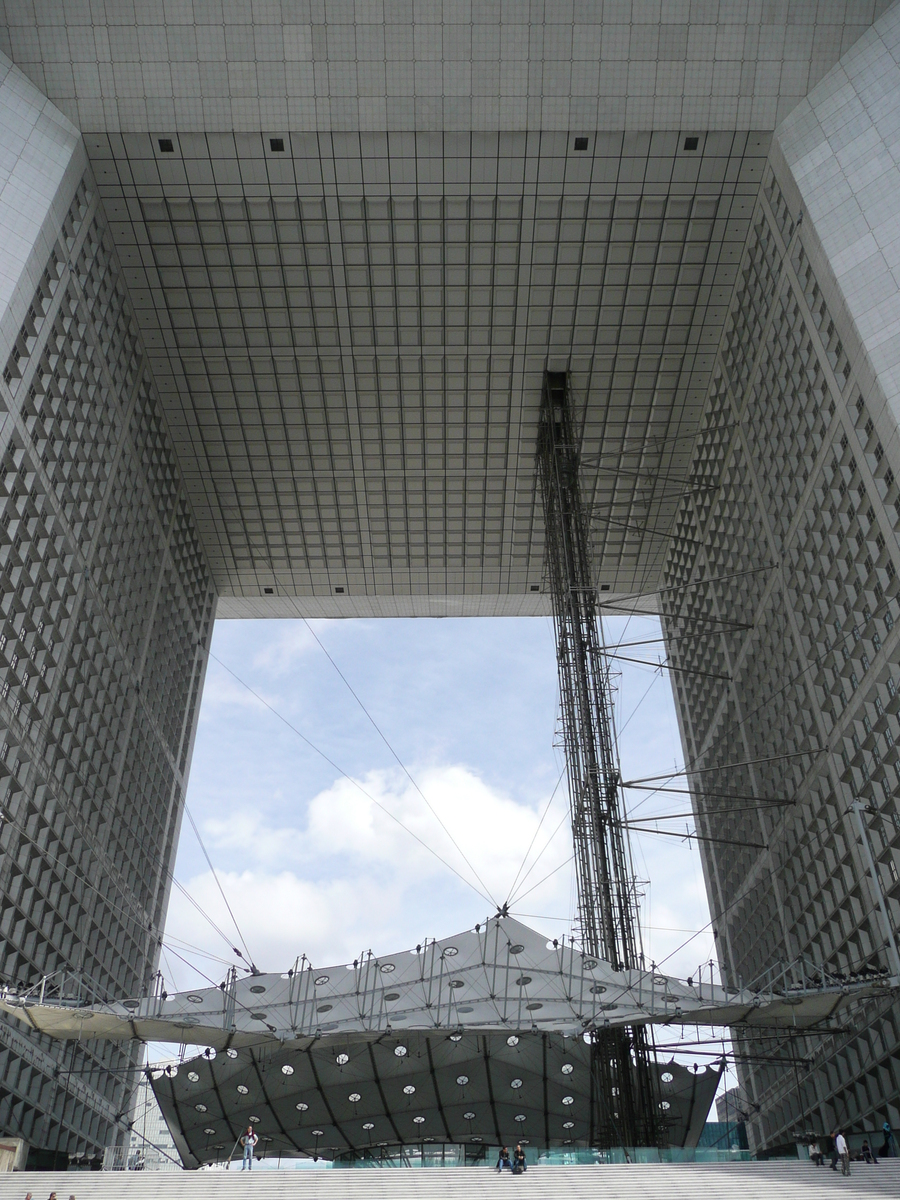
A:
{"points": [[783, 1180]]}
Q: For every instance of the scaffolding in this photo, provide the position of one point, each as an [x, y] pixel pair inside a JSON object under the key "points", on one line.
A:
{"points": [[626, 1108]]}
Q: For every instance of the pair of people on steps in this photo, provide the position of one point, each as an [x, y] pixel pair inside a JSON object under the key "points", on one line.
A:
{"points": [[517, 1164]]}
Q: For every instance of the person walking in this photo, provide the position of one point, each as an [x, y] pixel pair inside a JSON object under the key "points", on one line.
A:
{"points": [[843, 1150], [888, 1146], [248, 1141]]}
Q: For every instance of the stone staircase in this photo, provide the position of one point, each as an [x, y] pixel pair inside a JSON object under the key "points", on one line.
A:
{"points": [[786, 1180]]}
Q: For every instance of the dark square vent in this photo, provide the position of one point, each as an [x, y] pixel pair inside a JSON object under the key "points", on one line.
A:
{"points": [[276, 144], [339, 591], [691, 143], [269, 591], [581, 143], [166, 146]]}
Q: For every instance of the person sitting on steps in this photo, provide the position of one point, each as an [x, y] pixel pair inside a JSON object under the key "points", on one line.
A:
{"points": [[503, 1159]]}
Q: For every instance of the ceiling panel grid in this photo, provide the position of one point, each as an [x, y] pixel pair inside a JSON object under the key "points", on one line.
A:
{"points": [[350, 334], [403, 64]]}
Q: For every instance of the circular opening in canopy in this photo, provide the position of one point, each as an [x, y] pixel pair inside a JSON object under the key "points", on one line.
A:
{"points": [[409, 1089], [568, 1100], [400, 1051], [193, 1077], [287, 1069], [512, 1040], [301, 1107], [340, 1059], [321, 980], [243, 1089], [462, 1080], [567, 1068], [387, 968]]}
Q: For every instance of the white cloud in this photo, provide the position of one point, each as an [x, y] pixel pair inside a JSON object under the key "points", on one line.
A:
{"points": [[350, 877]]}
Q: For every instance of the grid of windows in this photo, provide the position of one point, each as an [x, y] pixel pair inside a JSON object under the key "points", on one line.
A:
{"points": [[105, 610], [785, 593]]}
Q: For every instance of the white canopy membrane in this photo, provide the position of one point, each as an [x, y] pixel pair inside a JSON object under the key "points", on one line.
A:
{"points": [[473, 1038], [499, 976]]}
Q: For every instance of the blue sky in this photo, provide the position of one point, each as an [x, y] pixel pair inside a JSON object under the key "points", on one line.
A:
{"points": [[309, 862], [311, 865]]}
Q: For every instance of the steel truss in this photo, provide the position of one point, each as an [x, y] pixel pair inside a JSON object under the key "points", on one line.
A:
{"points": [[627, 1110]]}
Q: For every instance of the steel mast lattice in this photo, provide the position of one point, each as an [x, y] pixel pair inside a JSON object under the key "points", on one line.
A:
{"points": [[626, 1109]]}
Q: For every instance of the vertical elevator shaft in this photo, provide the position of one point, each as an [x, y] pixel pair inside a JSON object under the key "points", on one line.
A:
{"points": [[625, 1110]]}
